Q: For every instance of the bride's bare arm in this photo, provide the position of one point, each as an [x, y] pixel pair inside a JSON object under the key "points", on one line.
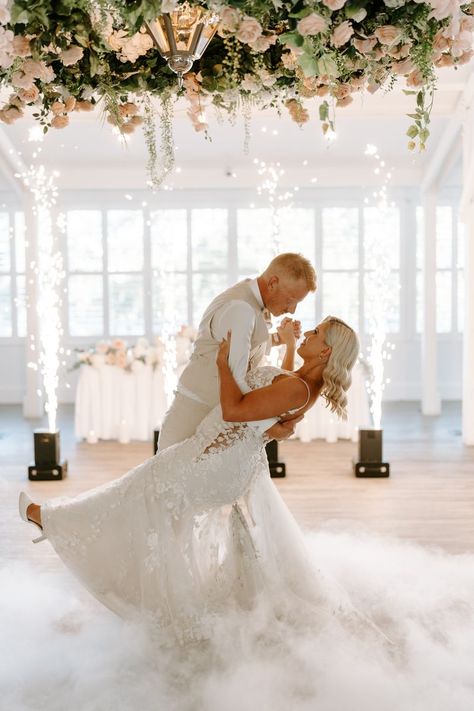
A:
{"points": [[271, 401], [286, 332]]}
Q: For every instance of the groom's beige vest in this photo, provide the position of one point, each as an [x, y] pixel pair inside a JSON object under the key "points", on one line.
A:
{"points": [[200, 375]]}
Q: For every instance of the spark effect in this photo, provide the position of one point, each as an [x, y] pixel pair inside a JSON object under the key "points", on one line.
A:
{"points": [[50, 274], [377, 295], [168, 333], [278, 199]]}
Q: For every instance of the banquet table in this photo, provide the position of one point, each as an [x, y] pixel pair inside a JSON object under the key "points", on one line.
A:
{"points": [[116, 404]]}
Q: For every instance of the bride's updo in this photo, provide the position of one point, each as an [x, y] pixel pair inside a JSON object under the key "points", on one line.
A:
{"points": [[337, 373]]}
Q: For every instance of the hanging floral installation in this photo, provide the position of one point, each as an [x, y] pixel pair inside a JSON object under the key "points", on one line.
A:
{"points": [[63, 56]]}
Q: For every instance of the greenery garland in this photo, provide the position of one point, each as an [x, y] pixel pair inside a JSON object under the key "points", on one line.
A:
{"points": [[61, 56]]}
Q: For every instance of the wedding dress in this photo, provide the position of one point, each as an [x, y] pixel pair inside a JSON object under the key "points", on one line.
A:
{"points": [[194, 532]]}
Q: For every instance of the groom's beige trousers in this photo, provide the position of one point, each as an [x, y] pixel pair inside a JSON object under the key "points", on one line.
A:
{"points": [[181, 420]]}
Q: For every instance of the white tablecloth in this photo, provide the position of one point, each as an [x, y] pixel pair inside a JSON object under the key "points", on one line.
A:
{"points": [[112, 403]]}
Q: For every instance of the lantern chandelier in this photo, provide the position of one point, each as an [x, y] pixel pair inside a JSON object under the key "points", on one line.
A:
{"points": [[182, 36]]}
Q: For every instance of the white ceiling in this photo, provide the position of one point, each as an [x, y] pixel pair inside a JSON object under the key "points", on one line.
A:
{"points": [[88, 155]]}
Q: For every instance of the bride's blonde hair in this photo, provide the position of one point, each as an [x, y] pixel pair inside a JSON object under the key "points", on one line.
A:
{"points": [[337, 373]]}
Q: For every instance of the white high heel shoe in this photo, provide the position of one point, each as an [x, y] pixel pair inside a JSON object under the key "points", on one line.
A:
{"points": [[23, 503]]}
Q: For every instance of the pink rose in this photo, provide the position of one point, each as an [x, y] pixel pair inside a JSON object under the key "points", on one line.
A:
{"points": [[311, 25], [57, 107], [334, 4], [118, 344], [344, 101], [70, 104], [71, 55], [29, 95], [342, 34], [84, 106], [388, 34], [249, 30], [263, 43], [444, 61], [21, 46], [60, 121], [128, 109], [402, 68], [415, 78], [364, 46], [229, 19], [22, 81]]}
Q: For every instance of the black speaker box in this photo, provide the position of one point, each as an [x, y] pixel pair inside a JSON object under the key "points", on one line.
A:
{"points": [[277, 469], [47, 447], [47, 472], [370, 445]]}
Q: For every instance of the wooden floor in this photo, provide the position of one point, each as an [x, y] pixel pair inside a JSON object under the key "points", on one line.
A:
{"points": [[429, 497]]}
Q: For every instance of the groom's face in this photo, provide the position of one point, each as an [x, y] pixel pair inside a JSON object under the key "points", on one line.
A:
{"points": [[284, 295]]}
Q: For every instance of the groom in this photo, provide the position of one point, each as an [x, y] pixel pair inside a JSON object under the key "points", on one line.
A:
{"points": [[241, 309]]}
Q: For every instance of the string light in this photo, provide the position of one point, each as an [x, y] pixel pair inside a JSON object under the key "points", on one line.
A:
{"points": [[278, 199]]}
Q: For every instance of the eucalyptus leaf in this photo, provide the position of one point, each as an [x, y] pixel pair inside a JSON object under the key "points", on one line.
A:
{"points": [[308, 64]]}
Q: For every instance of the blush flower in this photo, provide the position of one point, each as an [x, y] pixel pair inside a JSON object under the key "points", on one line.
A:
{"points": [[60, 121], [71, 56], [388, 34], [249, 30], [334, 4], [342, 34], [21, 46], [29, 95], [311, 25]]}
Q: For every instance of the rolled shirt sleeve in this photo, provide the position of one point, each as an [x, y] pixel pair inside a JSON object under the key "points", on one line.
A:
{"points": [[239, 318]]}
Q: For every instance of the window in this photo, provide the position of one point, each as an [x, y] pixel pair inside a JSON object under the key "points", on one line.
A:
{"points": [[12, 275], [340, 263], [85, 263], [449, 270]]}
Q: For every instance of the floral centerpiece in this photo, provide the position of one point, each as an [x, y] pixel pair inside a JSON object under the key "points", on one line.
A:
{"points": [[63, 56], [116, 352]]}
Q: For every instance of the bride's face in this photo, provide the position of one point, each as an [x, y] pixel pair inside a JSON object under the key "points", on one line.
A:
{"points": [[313, 346]]}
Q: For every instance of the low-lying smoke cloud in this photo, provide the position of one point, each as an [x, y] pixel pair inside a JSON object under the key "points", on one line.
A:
{"points": [[62, 651]]}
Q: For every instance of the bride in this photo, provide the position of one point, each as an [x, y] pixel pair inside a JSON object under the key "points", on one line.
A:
{"points": [[199, 529]]}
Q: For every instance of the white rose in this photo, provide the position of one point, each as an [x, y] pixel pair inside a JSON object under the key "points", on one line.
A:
{"points": [[249, 30], [311, 25], [5, 60], [4, 15], [443, 8], [71, 55], [342, 34], [249, 84]]}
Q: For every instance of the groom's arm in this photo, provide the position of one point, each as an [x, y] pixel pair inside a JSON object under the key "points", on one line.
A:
{"points": [[238, 317]]}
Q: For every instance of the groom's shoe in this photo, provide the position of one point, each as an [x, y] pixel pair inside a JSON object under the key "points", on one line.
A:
{"points": [[23, 503]]}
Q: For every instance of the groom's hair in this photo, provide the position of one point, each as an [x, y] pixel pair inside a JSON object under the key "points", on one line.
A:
{"points": [[293, 266]]}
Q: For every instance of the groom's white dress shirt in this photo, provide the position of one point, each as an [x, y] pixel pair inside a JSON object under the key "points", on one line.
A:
{"points": [[240, 309]]}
